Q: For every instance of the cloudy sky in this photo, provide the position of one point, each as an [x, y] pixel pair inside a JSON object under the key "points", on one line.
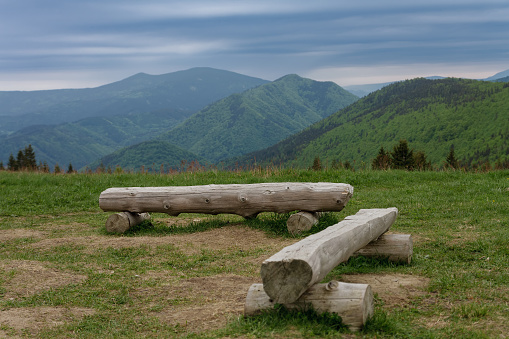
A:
{"points": [[75, 43]]}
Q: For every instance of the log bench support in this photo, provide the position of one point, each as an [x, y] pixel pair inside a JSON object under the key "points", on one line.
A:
{"points": [[121, 222], [352, 302]]}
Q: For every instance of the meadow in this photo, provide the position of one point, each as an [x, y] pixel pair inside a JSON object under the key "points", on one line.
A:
{"points": [[63, 276]]}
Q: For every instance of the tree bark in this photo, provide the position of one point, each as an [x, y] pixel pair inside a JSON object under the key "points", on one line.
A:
{"points": [[121, 222], [290, 272], [395, 247], [246, 200], [353, 302]]}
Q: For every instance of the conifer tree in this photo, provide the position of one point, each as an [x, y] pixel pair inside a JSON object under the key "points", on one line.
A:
{"points": [[402, 157], [451, 160], [70, 169], [317, 166], [420, 161], [12, 165], [382, 160], [20, 160], [57, 169], [29, 158], [2, 166]]}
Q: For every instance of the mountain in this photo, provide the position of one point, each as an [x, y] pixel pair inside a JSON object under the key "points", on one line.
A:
{"points": [[258, 118], [151, 155], [432, 115], [498, 76], [189, 90], [117, 115], [504, 79]]}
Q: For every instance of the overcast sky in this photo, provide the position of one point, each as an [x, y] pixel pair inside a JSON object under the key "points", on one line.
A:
{"points": [[77, 43]]}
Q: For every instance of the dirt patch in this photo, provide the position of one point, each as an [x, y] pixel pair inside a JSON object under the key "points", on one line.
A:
{"points": [[24, 278], [205, 302], [224, 238], [395, 290], [16, 320], [17, 233]]}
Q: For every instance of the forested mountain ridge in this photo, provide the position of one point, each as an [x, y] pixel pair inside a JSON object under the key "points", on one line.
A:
{"points": [[258, 117], [189, 90], [432, 115], [152, 155], [119, 114]]}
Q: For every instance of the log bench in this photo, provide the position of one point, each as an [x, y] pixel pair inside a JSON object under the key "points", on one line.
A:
{"points": [[291, 277], [246, 200]]}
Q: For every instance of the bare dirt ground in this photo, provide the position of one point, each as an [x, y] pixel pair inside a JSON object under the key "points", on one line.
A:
{"points": [[198, 303]]}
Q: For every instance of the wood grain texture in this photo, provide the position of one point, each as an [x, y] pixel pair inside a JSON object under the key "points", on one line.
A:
{"points": [[290, 272], [246, 200]]}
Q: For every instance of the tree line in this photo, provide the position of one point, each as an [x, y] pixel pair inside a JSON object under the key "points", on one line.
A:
{"points": [[25, 161], [402, 157]]}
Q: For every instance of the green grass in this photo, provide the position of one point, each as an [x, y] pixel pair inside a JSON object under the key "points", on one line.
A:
{"points": [[459, 222]]}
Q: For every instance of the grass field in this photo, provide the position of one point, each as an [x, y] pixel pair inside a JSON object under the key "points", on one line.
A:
{"points": [[63, 276]]}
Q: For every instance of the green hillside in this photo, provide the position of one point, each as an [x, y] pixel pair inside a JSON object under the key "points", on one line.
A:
{"points": [[258, 118], [190, 90], [432, 115], [151, 155], [86, 140]]}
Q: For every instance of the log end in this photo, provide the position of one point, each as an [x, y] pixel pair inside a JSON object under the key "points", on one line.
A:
{"points": [[286, 280], [301, 222], [121, 222]]}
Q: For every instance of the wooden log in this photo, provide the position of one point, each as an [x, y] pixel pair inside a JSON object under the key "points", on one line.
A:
{"points": [[352, 302], [395, 247], [302, 221], [290, 272], [121, 222], [246, 200]]}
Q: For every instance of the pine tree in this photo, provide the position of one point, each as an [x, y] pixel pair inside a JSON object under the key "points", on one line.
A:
{"points": [[70, 169], [317, 166], [20, 159], [402, 157], [451, 160], [2, 166], [420, 161], [29, 158], [12, 165], [57, 169], [382, 160]]}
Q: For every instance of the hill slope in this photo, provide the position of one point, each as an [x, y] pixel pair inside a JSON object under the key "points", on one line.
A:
{"points": [[432, 115], [189, 90], [149, 154], [86, 140], [258, 118]]}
